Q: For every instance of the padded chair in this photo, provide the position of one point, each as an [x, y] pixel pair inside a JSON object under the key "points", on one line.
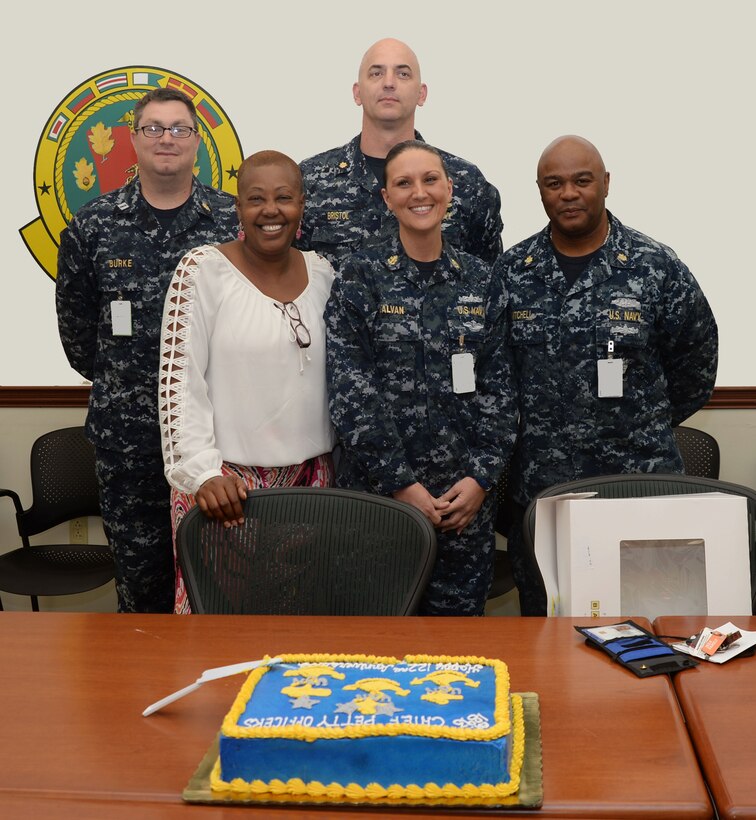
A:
{"points": [[638, 485], [308, 551], [64, 487], [699, 451]]}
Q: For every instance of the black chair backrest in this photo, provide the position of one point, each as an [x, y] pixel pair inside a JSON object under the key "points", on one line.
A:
{"points": [[308, 551], [699, 451], [503, 518], [639, 485], [63, 479]]}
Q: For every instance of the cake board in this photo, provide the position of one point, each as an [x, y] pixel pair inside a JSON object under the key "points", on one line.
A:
{"points": [[530, 794]]}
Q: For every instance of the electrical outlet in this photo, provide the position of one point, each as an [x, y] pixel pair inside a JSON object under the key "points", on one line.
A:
{"points": [[77, 531]]}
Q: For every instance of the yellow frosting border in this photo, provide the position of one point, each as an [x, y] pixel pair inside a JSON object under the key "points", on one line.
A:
{"points": [[501, 726], [376, 792]]}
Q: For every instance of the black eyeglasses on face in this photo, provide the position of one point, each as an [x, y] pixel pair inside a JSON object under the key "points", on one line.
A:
{"points": [[179, 132], [291, 312]]}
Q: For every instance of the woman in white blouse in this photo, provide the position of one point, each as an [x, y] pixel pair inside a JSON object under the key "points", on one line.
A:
{"points": [[243, 398]]}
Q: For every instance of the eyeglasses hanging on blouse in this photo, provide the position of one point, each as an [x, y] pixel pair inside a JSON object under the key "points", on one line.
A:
{"points": [[290, 311]]}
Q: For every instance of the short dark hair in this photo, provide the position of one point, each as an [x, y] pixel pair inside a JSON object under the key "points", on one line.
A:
{"points": [[408, 145], [164, 95], [263, 158]]}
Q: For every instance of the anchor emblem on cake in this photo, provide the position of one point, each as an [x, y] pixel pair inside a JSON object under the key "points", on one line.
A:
{"points": [[303, 689], [375, 701], [443, 691]]}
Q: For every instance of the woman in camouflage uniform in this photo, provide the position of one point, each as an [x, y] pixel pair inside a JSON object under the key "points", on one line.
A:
{"points": [[419, 378]]}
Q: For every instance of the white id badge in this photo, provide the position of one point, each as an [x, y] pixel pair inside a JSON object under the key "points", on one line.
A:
{"points": [[463, 372], [610, 378], [120, 317]]}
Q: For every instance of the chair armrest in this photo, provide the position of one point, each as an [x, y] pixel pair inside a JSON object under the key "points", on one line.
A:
{"points": [[14, 497]]}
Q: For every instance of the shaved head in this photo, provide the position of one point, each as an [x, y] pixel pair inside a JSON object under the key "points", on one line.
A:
{"points": [[391, 46], [265, 158], [571, 143]]}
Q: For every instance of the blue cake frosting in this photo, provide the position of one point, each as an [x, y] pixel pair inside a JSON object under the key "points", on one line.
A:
{"points": [[360, 721]]}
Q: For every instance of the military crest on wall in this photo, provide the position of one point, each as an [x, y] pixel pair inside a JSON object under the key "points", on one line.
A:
{"points": [[85, 149]]}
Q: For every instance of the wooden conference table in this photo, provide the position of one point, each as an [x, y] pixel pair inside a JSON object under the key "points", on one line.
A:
{"points": [[74, 743], [719, 703]]}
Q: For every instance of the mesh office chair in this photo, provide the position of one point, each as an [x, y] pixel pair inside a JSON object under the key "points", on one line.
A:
{"points": [[699, 451], [308, 551], [64, 486], [638, 485], [503, 581]]}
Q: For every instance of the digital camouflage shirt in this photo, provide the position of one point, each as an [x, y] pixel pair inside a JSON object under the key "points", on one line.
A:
{"points": [[391, 335], [639, 296], [114, 250], [344, 208]]}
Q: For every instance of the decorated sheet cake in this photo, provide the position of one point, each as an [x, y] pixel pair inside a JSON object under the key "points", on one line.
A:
{"points": [[359, 728]]}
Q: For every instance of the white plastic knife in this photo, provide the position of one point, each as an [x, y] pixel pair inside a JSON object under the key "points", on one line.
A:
{"points": [[209, 674]]}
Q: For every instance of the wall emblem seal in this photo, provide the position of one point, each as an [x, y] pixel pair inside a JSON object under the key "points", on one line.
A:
{"points": [[85, 149]]}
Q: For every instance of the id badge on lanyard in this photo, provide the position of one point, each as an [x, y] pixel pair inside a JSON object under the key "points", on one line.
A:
{"points": [[120, 317], [610, 373], [463, 370]]}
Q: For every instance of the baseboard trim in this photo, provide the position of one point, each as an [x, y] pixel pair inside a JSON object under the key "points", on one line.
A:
{"points": [[724, 398]]}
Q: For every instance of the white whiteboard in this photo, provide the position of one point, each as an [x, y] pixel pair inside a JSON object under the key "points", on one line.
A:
{"points": [[664, 89]]}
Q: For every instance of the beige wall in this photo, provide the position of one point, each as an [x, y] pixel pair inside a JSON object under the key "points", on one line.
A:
{"points": [[735, 430], [662, 88]]}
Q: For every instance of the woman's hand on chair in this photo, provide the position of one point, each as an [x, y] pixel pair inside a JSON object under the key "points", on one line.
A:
{"points": [[221, 498]]}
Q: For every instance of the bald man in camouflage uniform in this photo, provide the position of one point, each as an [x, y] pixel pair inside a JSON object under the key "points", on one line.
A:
{"points": [[115, 262], [613, 340], [343, 204], [391, 335]]}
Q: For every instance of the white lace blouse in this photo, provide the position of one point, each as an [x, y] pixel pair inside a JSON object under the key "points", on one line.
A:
{"points": [[234, 383]]}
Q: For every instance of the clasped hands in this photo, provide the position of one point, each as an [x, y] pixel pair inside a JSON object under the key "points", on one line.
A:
{"points": [[453, 510]]}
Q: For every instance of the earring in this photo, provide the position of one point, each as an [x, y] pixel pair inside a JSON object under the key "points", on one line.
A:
{"points": [[240, 235], [299, 230]]}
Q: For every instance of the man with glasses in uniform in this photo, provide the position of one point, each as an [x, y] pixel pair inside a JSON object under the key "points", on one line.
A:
{"points": [[116, 259]]}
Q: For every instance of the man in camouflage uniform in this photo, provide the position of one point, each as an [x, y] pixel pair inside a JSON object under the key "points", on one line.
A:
{"points": [[115, 262], [343, 203], [613, 342], [391, 333]]}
